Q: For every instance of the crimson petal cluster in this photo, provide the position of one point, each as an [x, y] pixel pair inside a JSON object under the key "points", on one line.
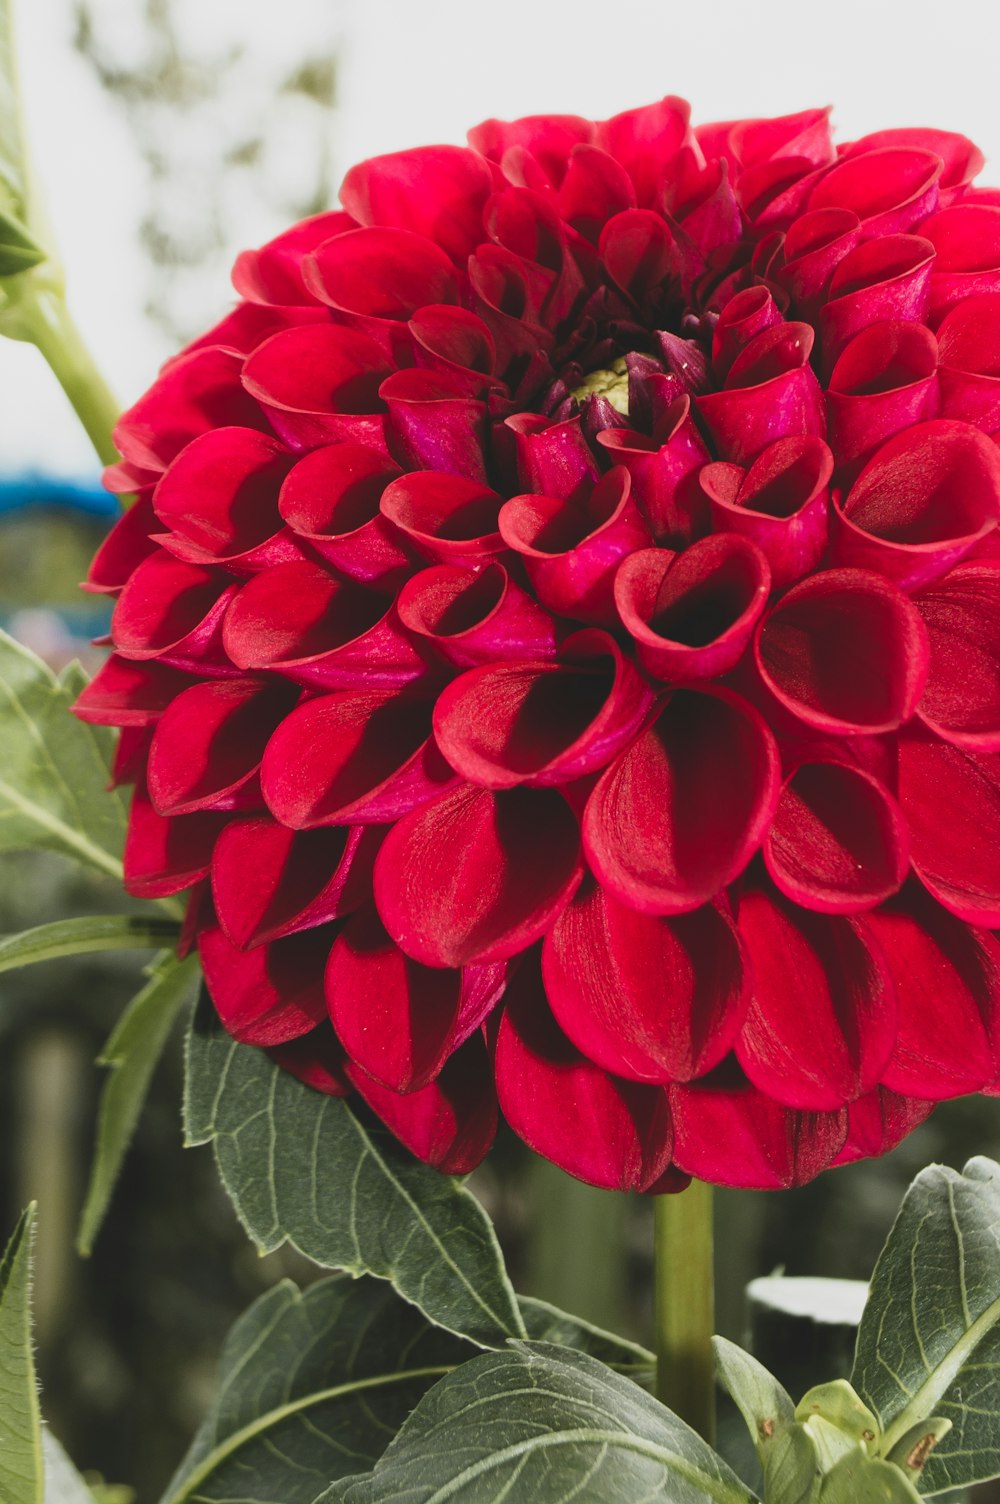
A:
{"points": [[557, 643]]}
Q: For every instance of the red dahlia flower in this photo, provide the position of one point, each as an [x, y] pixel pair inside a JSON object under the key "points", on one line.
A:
{"points": [[558, 643]]}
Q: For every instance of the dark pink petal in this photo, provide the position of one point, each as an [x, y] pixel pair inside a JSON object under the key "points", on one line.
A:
{"points": [[477, 876], [679, 814], [774, 194], [962, 615], [309, 380], [221, 491], [172, 610], [445, 517], [454, 343], [923, 502], [571, 552], [780, 503], [691, 614], [961, 157], [398, 1020], [438, 192], [947, 979], [664, 471], [165, 856], [744, 316], [818, 1057], [890, 189], [550, 138], [595, 188], [194, 393], [451, 1122], [878, 1121], [472, 617], [637, 249], [381, 274], [643, 140], [316, 1059], [273, 274], [608, 1132], [268, 881], [209, 741], [542, 723], [553, 459], [126, 693], [331, 498], [436, 425], [969, 344], [505, 297], [271, 994], [805, 134], [358, 757], [771, 392], [951, 800], [701, 200], [966, 238], [814, 247], [838, 842], [888, 278], [300, 621], [735, 1135], [124, 549], [526, 224], [884, 381], [844, 651], [131, 753], [645, 997]]}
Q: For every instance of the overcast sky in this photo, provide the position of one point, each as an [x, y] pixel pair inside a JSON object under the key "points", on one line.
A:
{"points": [[415, 71]]}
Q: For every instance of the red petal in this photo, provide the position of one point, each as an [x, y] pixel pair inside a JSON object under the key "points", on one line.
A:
{"points": [[194, 393], [595, 188], [888, 278], [890, 189], [172, 610], [316, 1059], [307, 378], [381, 273], [210, 741], [437, 191], [124, 693], [961, 157], [477, 876], [331, 497], [472, 618], [123, 550], [771, 392], [221, 491], [664, 473], [951, 800], [966, 238], [553, 459], [271, 994], [446, 517], [165, 856], [550, 138], [273, 274], [739, 1137], [436, 424], [780, 504], [643, 141], [884, 381], [814, 247], [744, 316], [454, 343], [962, 615], [878, 1122], [969, 342], [679, 814]]}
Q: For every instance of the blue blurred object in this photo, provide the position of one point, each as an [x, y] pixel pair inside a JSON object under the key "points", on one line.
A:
{"points": [[33, 488]]}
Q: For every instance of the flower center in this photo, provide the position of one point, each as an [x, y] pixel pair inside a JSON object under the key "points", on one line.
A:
{"points": [[610, 382]]}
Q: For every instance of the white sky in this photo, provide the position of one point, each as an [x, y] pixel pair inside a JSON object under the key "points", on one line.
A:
{"points": [[417, 71]]}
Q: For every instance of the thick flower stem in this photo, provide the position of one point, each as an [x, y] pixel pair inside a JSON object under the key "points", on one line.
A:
{"points": [[44, 319], [683, 1305]]}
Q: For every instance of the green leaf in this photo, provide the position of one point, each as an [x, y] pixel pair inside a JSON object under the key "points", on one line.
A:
{"points": [[134, 1047], [538, 1422], [929, 1340], [77, 937], [764, 1404], [13, 164], [860, 1479], [54, 770], [545, 1323], [838, 1421], [303, 1168], [791, 1468], [21, 1469], [63, 1484]]}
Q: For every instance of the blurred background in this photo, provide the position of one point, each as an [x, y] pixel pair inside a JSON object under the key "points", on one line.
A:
{"points": [[169, 134]]}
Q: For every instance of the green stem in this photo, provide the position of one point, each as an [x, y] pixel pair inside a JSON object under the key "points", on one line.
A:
{"points": [[683, 1305], [46, 321]]}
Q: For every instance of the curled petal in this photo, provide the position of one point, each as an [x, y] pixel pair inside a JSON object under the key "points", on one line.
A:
{"points": [[172, 610], [473, 617], [127, 693], [890, 189], [273, 273], [771, 392], [664, 471], [679, 814], [445, 517], [436, 424], [398, 1020], [454, 343], [331, 498], [838, 842], [549, 138], [311, 379], [126, 546], [738, 1136], [163, 855], [805, 134], [271, 994], [884, 381], [362, 757], [637, 249], [923, 501], [814, 247], [452, 186], [451, 1122], [961, 157], [209, 742], [888, 278], [966, 238], [745, 315], [269, 881], [691, 614], [878, 1121], [951, 799], [542, 723], [648, 998], [844, 651], [969, 344], [643, 140], [316, 1059], [477, 876], [553, 459], [780, 503], [221, 491], [595, 187], [961, 612], [607, 1132], [816, 1058], [383, 274], [194, 394]]}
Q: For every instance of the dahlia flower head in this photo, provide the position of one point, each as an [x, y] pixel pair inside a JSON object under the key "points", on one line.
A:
{"points": [[557, 643]]}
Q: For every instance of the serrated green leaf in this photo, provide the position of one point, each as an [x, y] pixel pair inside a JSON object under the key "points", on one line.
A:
{"points": [[78, 937], [929, 1340], [63, 1484], [763, 1402], [21, 1468], [538, 1422], [303, 1168], [54, 770], [131, 1053], [860, 1479], [545, 1323]]}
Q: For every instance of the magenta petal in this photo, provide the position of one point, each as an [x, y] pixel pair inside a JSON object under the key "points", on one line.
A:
{"points": [[221, 491], [436, 424], [890, 189], [271, 994], [451, 1122], [549, 138], [595, 187], [664, 472], [438, 192], [743, 317], [316, 1059], [969, 344], [126, 693], [962, 615], [166, 855], [924, 500], [878, 1121], [268, 881], [473, 617], [637, 249], [814, 247], [454, 343], [951, 800], [643, 140], [123, 550], [884, 381], [844, 651], [780, 504], [307, 378], [738, 1136], [553, 459], [947, 979], [887, 278], [961, 157], [173, 610], [838, 842], [966, 238], [445, 517], [649, 998], [678, 815], [210, 741], [398, 1020], [477, 876], [331, 498], [361, 757], [605, 1131], [771, 392], [814, 1058], [542, 723], [195, 393], [381, 273], [691, 614], [273, 273]]}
